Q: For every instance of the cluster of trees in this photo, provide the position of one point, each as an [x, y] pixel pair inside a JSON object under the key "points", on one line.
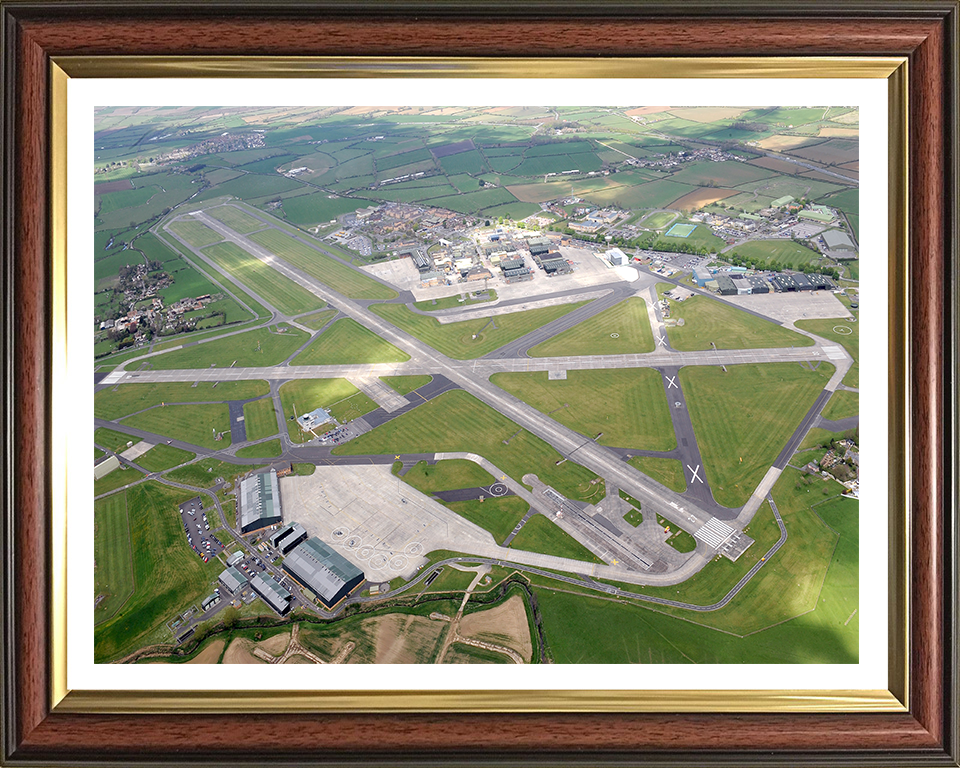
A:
{"points": [[777, 266]]}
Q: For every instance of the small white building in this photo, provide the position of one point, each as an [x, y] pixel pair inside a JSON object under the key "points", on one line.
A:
{"points": [[617, 257]]}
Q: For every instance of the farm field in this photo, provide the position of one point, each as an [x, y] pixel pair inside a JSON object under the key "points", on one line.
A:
{"points": [[260, 348], [785, 253], [280, 291], [699, 198], [197, 424], [627, 320], [167, 574], [457, 421], [709, 322], [633, 413], [337, 276], [738, 450], [346, 341], [470, 339]]}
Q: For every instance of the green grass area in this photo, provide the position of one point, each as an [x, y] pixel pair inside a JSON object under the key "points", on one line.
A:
{"points": [[114, 441], [128, 398], [319, 208], [275, 288], [728, 173], [260, 348], [350, 282], [820, 438], [632, 413], [404, 385], [260, 419], [194, 232], [785, 253], [841, 405], [498, 515], [470, 339], [192, 423], [653, 194], [634, 517], [162, 457], [679, 539], [317, 320], [113, 577], [204, 473], [113, 201], [461, 653], [668, 472], [451, 302], [345, 342], [120, 477], [266, 450], [843, 332], [446, 475], [622, 329], [457, 421], [540, 534], [167, 573], [659, 220], [743, 418], [236, 219], [708, 321], [338, 396]]}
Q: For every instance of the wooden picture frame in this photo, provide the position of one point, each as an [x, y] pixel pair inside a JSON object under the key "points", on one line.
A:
{"points": [[36, 733]]}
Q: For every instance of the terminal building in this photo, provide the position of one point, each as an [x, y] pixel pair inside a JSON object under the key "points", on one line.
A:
{"points": [[314, 419], [259, 500], [272, 593], [327, 574], [288, 537]]}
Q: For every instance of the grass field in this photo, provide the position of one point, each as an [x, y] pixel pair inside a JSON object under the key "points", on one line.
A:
{"points": [[162, 457], [628, 320], [457, 421], [304, 395], [317, 320], [740, 447], [204, 473], [659, 220], [842, 405], [446, 475], [194, 424], [654, 194], [260, 419], [668, 472], [236, 219], [470, 339], [850, 341], [128, 398], [194, 232], [679, 539], [339, 277], [708, 321], [260, 348], [404, 385], [499, 515], [451, 302], [114, 441], [120, 477], [167, 574], [725, 174], [785, 252], [273, 287], [346, 341], [113, 559], [540, 534], [632, 413], [266, 450]]}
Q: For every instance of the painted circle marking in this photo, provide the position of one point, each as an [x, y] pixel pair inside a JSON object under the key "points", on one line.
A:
{"points": [[498, 489], [614, 335], [842, 330], [415, 549]]}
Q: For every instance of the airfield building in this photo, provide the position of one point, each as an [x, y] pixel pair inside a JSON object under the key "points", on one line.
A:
{"points": [[313, 419], [259, 500], [326, 573], [233, 580], [105, 467], [236, 557], [289, 537], [835, 240], [272, 592]]}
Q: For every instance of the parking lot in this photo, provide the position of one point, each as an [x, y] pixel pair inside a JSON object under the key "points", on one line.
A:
{"points": [[197, 529]]}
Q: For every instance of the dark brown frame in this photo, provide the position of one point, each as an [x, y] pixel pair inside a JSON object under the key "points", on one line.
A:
{"points": [[925, 32]]}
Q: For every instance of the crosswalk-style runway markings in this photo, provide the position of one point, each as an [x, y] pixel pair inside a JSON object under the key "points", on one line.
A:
{"points": [[714, 533]]}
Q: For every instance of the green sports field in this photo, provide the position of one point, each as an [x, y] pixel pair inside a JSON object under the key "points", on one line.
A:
{"points": [[631, 413], [738, 436], [345, 342], [261, 348], [622, 329], [457, 421], [350, 282], [275, 288], [470, 339]]}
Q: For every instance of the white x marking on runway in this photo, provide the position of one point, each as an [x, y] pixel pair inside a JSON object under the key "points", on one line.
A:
{"points": [[661, 341], [671, 382], [695, 475]]}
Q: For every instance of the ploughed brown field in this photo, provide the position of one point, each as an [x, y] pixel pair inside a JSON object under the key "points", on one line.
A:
{"points": [[700, 197]]}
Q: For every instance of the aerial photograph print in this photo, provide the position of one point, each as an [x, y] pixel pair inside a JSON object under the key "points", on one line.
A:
{"points": [[476, 385]]}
